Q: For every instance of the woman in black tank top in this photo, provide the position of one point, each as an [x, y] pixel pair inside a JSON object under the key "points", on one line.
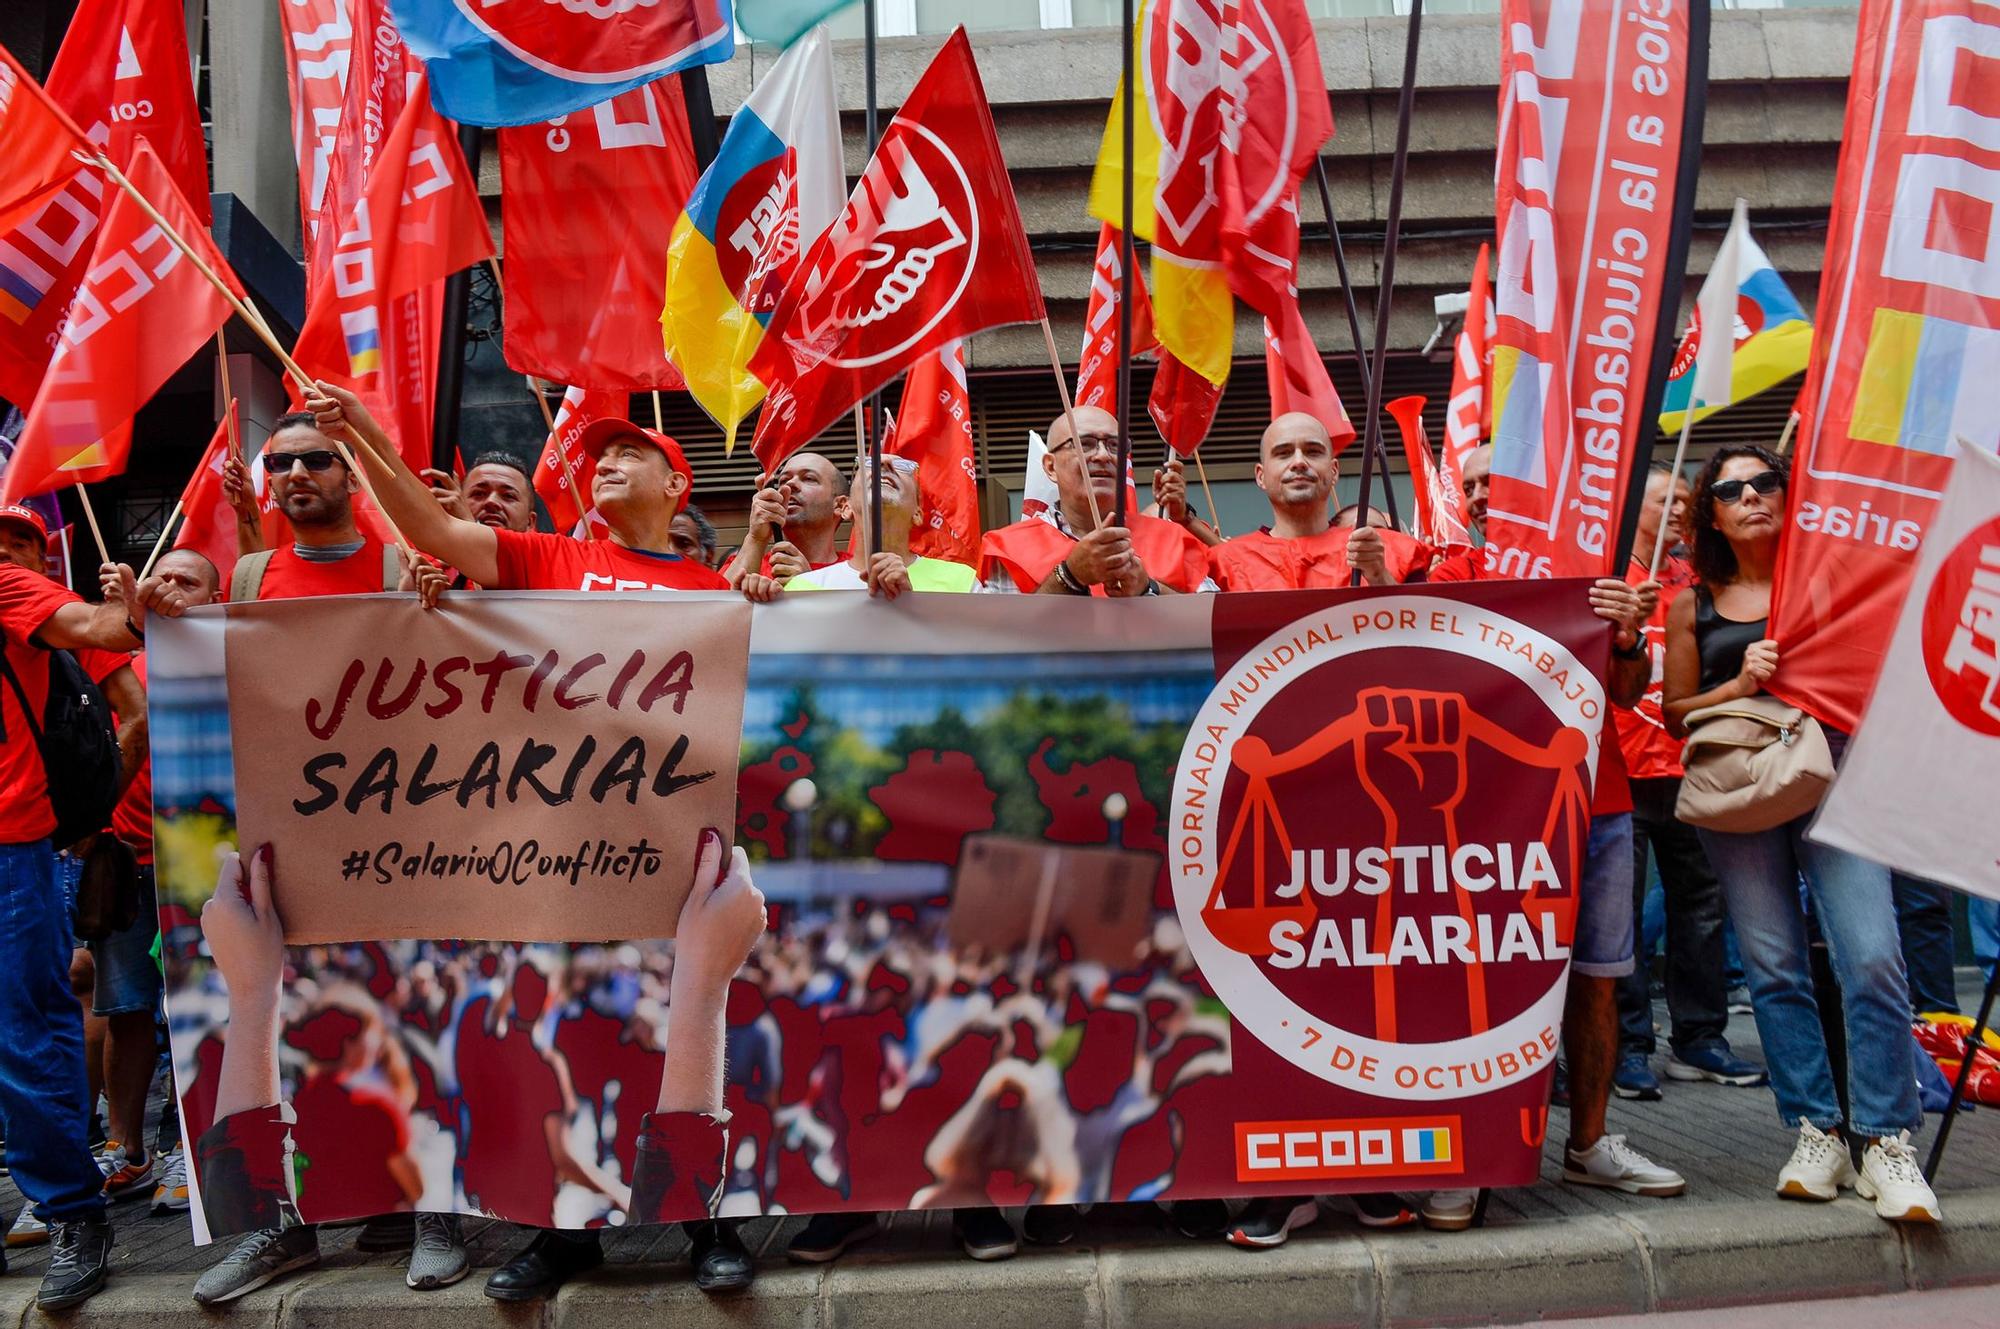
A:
{"points": [[1718, 651]]}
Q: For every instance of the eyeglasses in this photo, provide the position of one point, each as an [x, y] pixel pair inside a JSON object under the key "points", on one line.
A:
{"points": [[1089, 443], [317, 460], [900, 465], [1727, 492]]}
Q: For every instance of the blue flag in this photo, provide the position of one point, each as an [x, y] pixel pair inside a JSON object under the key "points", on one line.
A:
{"points": [[519, 62]]}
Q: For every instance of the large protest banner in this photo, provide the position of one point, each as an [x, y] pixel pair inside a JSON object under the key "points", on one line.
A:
{"points": [[1069, 902]]}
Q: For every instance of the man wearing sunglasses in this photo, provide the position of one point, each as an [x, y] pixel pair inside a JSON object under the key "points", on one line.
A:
{"points": [[1063, 552], [1301, 548], [639, 480], [328, 554]]}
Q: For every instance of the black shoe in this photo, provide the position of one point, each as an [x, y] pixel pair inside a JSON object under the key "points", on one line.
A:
{"points": [[1051, 1224], [985, 1234], [1198, 1219], [825, 1236], [1267, 1220], [721, 1264], [1382, 1210], [552, 1259], [79, 1263]]}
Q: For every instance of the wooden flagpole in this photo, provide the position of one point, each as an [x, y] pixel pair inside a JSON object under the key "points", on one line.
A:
{"points": [[228, 396], [1386, 287], [1785, 439], [1354, 328], [96, 531], [1201, 469], [569, 471], [1069, 416], [873, 542], [659, 422], [249, 315], [160, 545], [1680, 459]]}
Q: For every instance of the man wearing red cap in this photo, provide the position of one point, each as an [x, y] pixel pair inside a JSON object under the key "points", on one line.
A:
{"points": [[639, 481]]}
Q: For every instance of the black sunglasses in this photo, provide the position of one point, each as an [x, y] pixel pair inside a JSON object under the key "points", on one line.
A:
{"points": [[1766, 483], [317, 460]]}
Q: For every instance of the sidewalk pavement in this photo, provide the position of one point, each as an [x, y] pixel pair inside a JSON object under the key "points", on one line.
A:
{"points": [[1550, 1250]]}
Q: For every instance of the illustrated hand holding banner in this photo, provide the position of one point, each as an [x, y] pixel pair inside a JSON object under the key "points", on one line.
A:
{"points": [[930, 249], [524, 768]]}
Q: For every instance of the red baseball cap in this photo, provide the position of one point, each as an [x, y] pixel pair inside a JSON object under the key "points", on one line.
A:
{"points": [[29, 518], [599, 434]]}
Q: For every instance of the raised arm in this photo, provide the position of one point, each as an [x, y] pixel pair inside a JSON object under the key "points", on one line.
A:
{"points": [[466, 545], [118, 621]]}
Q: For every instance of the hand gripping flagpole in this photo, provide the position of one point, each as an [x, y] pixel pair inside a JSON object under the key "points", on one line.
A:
{"points": [[1354, 327], [1386, 288], [1126, 258], [248, 313]]}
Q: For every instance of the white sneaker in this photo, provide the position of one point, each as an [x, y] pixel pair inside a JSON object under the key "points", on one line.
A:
{"points": [[1891, 1178], [1819, 1166], [1617, 1166], [27, 1230], [1450, 1211], [171, 1195]]}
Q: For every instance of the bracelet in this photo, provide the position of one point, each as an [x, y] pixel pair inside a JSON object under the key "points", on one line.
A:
{"points": [[133, 628], [1069, 579], [1152, 587]]}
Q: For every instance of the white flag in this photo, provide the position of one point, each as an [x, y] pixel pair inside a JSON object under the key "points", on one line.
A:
{"points": [[1038, 492], [1916, 788], [1715, 310]]}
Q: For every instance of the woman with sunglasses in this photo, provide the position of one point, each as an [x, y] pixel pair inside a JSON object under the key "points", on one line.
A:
{"points": [[1719, 650]]}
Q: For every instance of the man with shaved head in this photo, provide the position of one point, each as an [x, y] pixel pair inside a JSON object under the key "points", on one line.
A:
{"points": [[793, 521], [1062, 551], [1302, 547]]}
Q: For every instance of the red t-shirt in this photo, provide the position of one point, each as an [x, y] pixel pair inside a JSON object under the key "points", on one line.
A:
{"points": [[536, 561], [1261, 561], [27, 600], [1650, 752], [1613, 793], [289, 577]]}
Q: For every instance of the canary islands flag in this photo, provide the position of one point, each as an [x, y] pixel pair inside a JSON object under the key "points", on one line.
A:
{"points": [[776, 184], [1773, 338]]}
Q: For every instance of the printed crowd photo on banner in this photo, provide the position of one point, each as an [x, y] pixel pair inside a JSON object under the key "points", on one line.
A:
{"points": [[1192, 898]]}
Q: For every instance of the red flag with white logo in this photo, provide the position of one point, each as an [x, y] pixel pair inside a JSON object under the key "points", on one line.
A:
{"points": [[1275, 119], [208, 522], [122, 75], [1182, 404], [1468, 415], [929, 249], [141, 311], [319, 50], [934, 430], [1440, 511], [1587, 190], [582, 204], [1097, 367], [1297, 377], [418, 221], [1904, 379], [562, 474]]}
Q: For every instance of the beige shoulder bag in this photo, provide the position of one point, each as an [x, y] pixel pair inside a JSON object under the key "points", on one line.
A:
{"points": [[1751, 765]]}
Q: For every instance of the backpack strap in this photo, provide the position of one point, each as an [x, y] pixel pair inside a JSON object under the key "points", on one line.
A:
{"points": [[248, 576], [20, 694], [392, 568]]}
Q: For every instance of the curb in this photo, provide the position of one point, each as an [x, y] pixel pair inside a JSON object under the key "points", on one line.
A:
{"points": [[1664, 1257]]}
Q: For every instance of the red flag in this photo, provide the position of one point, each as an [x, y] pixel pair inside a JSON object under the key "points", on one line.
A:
{"points": [[1182, 404], [1468, 415], [319, 50], [1298, 379], [122, 75], [934, 430], [1275, 119], [582, 203], [141, 311], [1581, 274], [418, 221], [1902, 377], [929, 249], [1440, 511], [208, 522], [1097, 367], [563, 473], [36, 141]]}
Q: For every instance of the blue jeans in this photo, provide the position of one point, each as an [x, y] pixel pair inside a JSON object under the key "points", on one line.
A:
{"points": [[43, 1098], [1984, 915], [1923, 916], [1856, 913]]}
